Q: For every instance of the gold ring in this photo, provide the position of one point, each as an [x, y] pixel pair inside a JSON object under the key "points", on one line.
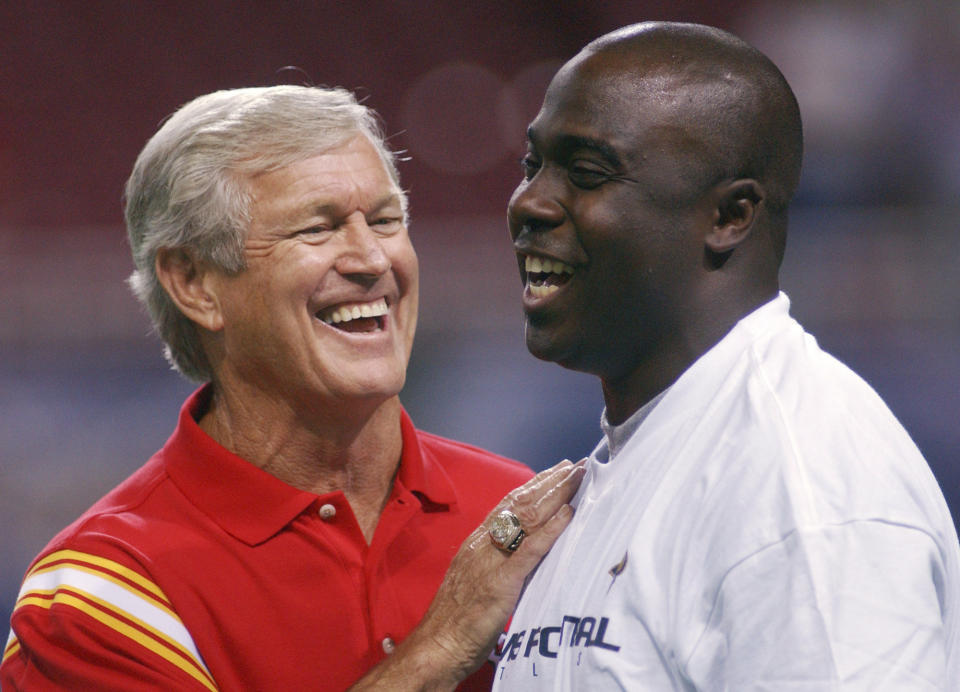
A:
{"points": [[506, 532]]}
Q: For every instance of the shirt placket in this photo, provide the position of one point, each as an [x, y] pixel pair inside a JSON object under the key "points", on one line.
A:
{"points": [[385, 618]]}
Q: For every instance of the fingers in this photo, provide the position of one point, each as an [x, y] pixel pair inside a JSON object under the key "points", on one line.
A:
{"points": [[537, 503], [541, 497], [483, 583], [538, 543], [562, 492]]}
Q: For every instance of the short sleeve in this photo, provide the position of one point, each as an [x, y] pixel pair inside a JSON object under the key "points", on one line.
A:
{"points": [[82, 621], [855, 606]]}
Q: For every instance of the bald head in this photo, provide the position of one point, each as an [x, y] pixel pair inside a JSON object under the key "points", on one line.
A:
{"points": [[658, 171], [739, 116]]}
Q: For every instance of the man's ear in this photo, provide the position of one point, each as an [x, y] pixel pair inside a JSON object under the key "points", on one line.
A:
{"points": [[191, 285], [737, 208]]}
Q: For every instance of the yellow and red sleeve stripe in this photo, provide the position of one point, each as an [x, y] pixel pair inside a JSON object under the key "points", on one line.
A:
{"points": [[116, 597]]}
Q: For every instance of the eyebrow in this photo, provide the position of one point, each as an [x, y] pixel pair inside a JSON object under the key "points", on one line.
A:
{"points": [[334, 208], [308, 211], [568, 142]]}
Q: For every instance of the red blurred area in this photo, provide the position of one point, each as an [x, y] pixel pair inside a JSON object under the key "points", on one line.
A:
{"points": [[85, 84]]}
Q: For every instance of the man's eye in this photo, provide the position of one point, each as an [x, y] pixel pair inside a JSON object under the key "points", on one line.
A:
{"points": [[530, 166], [312, 230], [587, 176], [387, 224]]}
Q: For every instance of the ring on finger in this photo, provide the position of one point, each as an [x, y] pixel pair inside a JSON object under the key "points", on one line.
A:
{"points": [[506, 531]]}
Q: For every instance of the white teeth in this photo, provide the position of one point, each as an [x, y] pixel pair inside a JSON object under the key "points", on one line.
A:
{"points": [[542, 291], [538, 264], [542, 265], [354, 311]]}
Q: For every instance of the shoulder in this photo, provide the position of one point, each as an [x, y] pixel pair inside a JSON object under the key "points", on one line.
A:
{"points": [[127, 499], [91, 611], [475, 478], [462, 459], [138, 524], [791, 432], [835, 431]]}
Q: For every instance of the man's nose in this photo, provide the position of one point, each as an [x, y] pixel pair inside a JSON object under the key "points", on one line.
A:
{"points": [[535, 205], [362, 251]]}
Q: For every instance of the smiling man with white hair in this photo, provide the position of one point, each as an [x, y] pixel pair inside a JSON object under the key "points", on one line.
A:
{"points": [[295, 526]]}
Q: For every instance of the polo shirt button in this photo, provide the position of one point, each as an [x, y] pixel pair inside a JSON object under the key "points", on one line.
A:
{"points": [[328, 511], [388, 645]]}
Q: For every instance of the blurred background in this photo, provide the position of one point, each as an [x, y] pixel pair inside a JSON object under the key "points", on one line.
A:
{"points": [[85, 395]]}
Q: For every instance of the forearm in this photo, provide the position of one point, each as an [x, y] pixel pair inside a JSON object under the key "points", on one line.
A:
{"points": [[419, 664]]}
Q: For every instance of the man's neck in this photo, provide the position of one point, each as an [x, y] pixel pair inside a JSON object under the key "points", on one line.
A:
{"points": [[333, 450], [701, 330]]}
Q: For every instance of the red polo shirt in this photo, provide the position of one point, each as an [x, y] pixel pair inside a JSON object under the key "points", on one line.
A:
{"points": [[201, 571]]}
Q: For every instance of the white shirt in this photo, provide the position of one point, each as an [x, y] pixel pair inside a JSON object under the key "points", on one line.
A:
{"points": [[766, 525]]}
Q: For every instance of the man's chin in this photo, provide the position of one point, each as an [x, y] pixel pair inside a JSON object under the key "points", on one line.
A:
{"points": [[545, 345]]}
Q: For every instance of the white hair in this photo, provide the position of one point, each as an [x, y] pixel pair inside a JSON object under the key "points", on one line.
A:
{"points": [[187, 189]]}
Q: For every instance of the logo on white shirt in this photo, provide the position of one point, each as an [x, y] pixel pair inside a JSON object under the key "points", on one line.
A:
{"points": [[617, 570]]}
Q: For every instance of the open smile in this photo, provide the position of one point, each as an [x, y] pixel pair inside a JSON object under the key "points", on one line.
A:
{"points": [[356, 317], [545, 276]]}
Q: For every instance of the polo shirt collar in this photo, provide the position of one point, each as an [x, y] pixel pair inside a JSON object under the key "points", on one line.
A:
{"points": [[252, 505], [419, 472]]}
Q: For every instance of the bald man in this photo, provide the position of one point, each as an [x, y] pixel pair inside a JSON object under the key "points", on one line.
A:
{"points": [[754, 516]]}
